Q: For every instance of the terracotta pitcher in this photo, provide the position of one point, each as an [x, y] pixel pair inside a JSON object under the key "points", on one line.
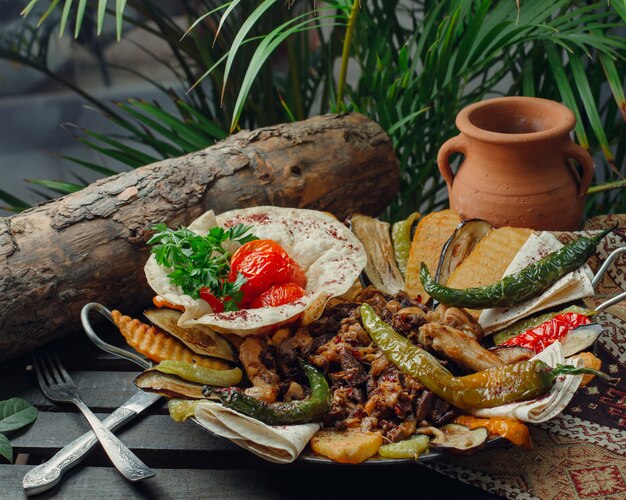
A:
{"points": [[516, 170]]}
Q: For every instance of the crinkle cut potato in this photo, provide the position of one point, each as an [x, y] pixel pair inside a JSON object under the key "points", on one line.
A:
{"points": [[330, 255]]}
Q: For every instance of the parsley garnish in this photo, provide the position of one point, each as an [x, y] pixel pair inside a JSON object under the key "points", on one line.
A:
{"points": [[201, 261]]}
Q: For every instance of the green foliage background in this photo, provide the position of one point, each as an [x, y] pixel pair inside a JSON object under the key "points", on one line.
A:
{"points": [[418, 63]]}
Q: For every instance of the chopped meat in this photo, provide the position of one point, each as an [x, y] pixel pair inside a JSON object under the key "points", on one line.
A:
{"points": [[443, 412], [290, 350], [424, 405], [354, 373], [408, 320], [254, 356], [459, 346]]}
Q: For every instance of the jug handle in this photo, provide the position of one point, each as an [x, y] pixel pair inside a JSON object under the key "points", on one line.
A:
{"points": [[456, 144], [580, 154]]}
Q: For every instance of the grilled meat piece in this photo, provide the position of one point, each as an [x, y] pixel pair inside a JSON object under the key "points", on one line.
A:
{"points": [[254, 355], [456, 318], [459, 346]]}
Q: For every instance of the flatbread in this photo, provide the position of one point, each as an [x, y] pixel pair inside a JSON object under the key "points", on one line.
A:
{"points": [[326, 250]]}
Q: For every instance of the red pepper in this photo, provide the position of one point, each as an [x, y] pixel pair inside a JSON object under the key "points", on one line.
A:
{"points": [[545, 334]]}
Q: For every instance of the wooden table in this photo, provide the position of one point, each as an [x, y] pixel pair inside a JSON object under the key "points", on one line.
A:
{"points": [[189, 462]]}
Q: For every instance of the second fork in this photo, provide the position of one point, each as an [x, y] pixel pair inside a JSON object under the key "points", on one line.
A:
{"points": [[58, 386]]}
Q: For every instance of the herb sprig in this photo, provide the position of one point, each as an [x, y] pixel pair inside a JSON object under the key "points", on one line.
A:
{"points": [[201, 261]]}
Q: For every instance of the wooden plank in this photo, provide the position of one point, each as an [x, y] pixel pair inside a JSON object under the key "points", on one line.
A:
{"points": [[101, 391], [53, 431], [272, 482]]}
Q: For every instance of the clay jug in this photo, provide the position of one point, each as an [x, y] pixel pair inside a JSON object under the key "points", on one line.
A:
{"points": [[517, 169]]}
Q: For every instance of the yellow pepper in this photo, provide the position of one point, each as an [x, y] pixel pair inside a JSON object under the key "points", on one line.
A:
{"points": [[513, 430]]}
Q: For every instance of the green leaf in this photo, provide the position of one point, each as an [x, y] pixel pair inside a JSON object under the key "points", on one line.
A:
{"points": [[16, 413], [15, 202], [241, 35], [57, 186], [589, 103], [51, 8], [102, 8], [80, 14], [566, 92], [120, 5], [5, 448], [65, 14]]}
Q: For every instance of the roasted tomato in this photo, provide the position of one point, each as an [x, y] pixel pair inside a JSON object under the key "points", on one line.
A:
{"points": [[278, 295], [263, 263], [215, 303]]}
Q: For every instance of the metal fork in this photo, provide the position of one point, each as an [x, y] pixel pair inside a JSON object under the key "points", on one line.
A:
{"points": [[57, 385]]}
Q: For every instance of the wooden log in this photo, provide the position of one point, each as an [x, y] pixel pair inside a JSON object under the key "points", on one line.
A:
{"points": [[90, 245]]}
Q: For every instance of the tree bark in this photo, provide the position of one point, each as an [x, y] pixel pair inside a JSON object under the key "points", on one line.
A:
{"points": [[90, 245]]}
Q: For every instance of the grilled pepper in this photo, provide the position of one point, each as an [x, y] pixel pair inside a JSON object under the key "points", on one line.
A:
{"points": [[484, 389], [523, 285], [526, 324], [401, 237], [548, 332], [199, 374], [311, 409]]}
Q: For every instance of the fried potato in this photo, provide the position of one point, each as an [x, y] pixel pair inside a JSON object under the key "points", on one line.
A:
{"points": [[431, 234], [347, 447], [489, 259], [158, 345]]}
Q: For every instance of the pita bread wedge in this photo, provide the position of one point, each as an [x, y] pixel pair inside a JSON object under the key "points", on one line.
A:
{"points": [[329, 254]]}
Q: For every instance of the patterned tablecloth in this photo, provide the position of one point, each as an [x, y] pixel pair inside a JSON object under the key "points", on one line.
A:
{"points": [[581, 454]]}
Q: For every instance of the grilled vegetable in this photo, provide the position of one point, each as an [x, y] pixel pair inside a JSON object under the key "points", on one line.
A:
{"points": [[513, 430], [182, 409], [526, 324], [158, 345], [590, 361], [431, 234], [548, 332], [401, 237], [347, 447], [311, 409], [457, 439], [516, 288], [459, 246], [409, 448], [580, 338], [199, 374], [200, 338], [484, 389], [381, 268], [168, 385]]}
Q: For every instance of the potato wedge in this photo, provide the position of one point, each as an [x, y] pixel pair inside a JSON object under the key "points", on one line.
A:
{"points": [[347, 447], [158, 345], [200, 338], [431, 234]]}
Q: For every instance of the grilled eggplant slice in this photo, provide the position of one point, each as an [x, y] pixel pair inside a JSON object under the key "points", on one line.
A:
{"points": [[459, 246], [457, 439], [200, 338], [168, 385], [381, 269]]}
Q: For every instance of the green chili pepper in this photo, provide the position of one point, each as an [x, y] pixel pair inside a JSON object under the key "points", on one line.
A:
{"points": [[311, 409], [526, 324], [484, 389], [401, 237], [199, 374], [523, 285]]}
